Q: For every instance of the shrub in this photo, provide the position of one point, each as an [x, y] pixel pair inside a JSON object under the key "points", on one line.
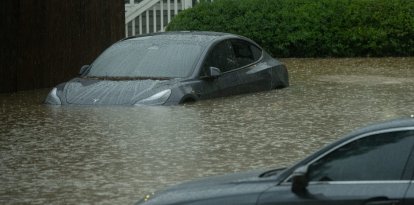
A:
{"points": [[317, 28]]}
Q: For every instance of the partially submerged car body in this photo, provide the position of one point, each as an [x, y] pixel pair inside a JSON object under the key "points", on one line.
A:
{"points": [[372, 165], [172, 68]]}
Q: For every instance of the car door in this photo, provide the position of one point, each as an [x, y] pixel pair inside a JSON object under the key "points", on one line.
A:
{"points": [[372, 170], [253, 75], [409, 196], [221, 57]]}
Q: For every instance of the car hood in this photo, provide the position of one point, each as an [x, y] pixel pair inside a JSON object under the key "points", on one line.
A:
{"points": [[246, 184], [83, 91]]}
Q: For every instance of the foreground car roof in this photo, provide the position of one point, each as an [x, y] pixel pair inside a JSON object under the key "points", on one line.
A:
{"points": [[391, 124], [395, 124]]}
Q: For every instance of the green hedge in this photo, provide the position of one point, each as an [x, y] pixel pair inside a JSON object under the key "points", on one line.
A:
{"points": [[311, 28]]}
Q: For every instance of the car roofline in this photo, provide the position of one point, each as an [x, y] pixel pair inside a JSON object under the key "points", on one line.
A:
{"points": [[384, 125], [394, 124], [205, 33], [219, 36]]}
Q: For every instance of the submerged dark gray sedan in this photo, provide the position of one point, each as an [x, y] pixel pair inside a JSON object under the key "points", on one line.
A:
{"points": [[371, 166], [172, 68]]}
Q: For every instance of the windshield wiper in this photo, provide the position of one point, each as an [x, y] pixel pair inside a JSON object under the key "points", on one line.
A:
{"points": [[125, 78]]}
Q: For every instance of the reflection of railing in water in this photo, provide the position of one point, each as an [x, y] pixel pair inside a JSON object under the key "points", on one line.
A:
{"points": [[150, 16]]}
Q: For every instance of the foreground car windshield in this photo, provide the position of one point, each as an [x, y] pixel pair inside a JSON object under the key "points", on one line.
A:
{"points": [[147, 57]]}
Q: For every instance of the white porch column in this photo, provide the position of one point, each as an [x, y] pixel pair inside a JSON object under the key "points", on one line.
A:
{"points": [[154, 17], [175, 7], [133, 27], [140, 24], [126, 30], [162, 15], [169, 10], [187, 4], [147, 21]]}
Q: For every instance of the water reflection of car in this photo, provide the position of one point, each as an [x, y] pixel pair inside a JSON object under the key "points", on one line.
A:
{"points": [[172, 68], [373, 165]]}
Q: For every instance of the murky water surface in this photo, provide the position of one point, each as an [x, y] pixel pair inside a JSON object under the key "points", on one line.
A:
{"points": [[115, 155]]}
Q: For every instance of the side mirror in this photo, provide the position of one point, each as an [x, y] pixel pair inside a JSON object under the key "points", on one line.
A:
{"points": [[83, 69], [300, 180], [213, 72]]}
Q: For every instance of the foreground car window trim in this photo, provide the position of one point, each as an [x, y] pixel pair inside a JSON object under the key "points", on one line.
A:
{"points": [[365, 182], [287, 179], [354, 182]]}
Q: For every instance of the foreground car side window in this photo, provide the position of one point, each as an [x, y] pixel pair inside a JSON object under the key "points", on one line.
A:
{"points": [[377, 157]]}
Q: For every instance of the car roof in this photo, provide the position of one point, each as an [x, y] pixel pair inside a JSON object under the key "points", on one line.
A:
{"points": [[186, 33], [394, 124], [385, 125], [201, 37]]}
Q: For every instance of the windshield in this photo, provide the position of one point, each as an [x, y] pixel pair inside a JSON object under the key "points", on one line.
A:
{"points": [[147, 57]]}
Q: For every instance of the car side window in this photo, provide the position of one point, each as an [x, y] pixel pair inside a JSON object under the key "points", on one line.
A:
{"points": [[377, 157], [257, 52], [222, 57], [245, 52]]}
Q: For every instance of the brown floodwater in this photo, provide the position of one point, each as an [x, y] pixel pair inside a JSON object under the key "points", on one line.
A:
{"points": [[115, 155]]}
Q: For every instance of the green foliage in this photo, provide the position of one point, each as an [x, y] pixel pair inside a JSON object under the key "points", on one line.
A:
{"points": [[316, 28]]}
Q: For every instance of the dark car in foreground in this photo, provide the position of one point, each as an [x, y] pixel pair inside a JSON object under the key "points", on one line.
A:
{"points": [[172, 68], [372, 166]]}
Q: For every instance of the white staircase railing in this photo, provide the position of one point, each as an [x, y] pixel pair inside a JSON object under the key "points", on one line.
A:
{"points": [[150, 16]]}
